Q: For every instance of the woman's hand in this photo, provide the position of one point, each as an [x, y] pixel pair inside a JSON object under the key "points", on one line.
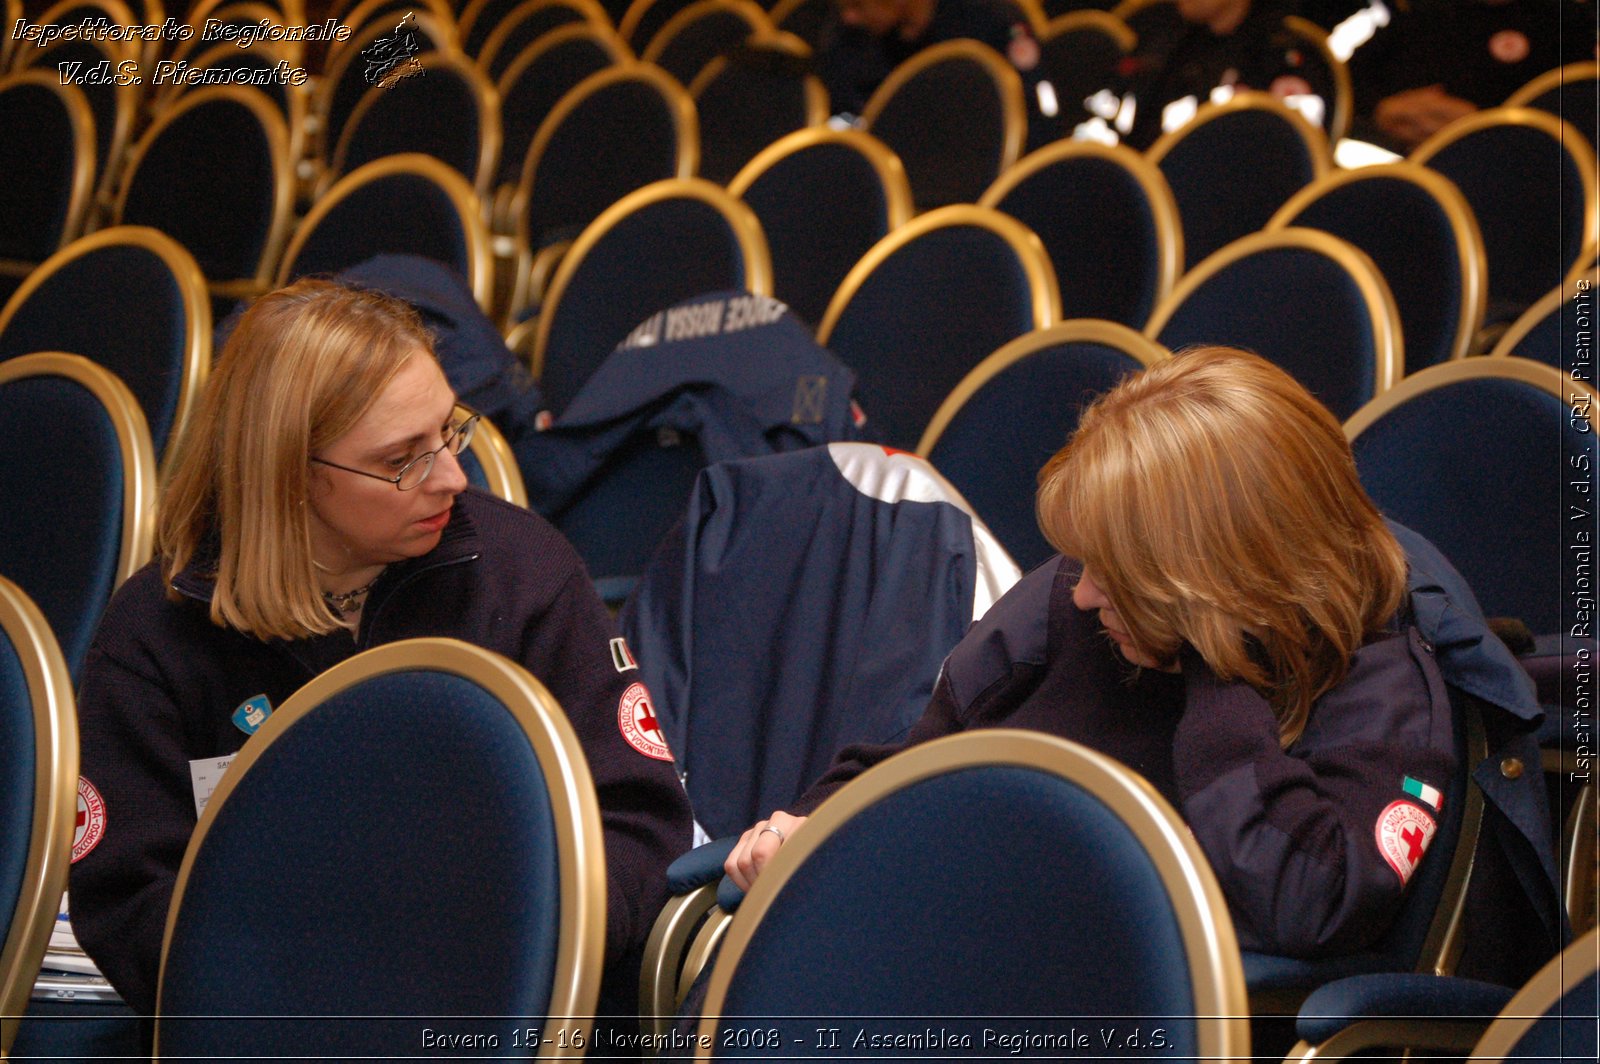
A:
{"points": [[756, 847]]}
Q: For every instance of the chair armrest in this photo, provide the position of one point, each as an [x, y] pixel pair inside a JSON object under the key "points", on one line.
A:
{"points": [[1412, 996], [700, 866]]}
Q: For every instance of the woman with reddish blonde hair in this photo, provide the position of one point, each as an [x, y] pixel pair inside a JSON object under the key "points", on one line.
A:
{"points": [[1233, 618]]}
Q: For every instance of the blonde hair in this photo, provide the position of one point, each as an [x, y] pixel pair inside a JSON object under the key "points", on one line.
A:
{"points": [[299, 370], [1217, 504]]}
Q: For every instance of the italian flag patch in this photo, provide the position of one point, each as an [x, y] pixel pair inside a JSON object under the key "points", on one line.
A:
{"points": [[1431, 796]]}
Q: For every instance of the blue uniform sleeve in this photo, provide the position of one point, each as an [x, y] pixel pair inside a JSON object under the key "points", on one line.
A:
{"points": [[1314, 845]]}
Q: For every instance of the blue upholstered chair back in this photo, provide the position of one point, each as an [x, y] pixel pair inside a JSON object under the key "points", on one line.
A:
{"points": [[38, 777], [663, 244], [49, 130], [1422, 236], [928, 303], [537, 78], [1019, 407], [447, 110], [1552, 1017], [400, 840], [520, 27], [752, 98], [406, 205], [1234, 165], [1557, 330], [693, 38], [348, 73], [1530, 179], [1478, 456], [215, 176], [1305, 301], [1108, 221], [952, 153], [1034, 884], [614, 132], [113, 106], [64, 529], [641, 20], [849, 177], [131, 300]]}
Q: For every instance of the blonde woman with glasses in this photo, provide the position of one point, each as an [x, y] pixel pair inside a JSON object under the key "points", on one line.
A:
{"points": [[316, 509]]}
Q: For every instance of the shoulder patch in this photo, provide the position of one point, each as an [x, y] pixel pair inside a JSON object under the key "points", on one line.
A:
{"points": [[637, 719], [621, 656], [91, 820], [1403, 832]]}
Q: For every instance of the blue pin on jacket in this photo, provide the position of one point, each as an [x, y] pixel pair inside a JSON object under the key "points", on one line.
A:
{"points": [[252, 714]]}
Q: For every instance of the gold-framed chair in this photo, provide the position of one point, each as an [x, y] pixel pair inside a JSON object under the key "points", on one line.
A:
{"points": [[1109, 221], [363, 13], [97, 475], [669, 240], [848, 176], [643, 19], [345, 79], [1540, 331], [528, 23], [1234, 164], [703, 31], [1303, 299], [1530, 178], [752, 101], [240, 13], [358, 217], [73, 12], [449, 111], [612, 133], [132, 300], [115, 108], [293, 101], [1341, 102], [905, 320], [41, 780], [50, 126], [1475, 454], [497, 463], [1003, 421], [951, 154], [235, 229], [1567, 92], [1424, 239], [797, 946], [539, 909]]}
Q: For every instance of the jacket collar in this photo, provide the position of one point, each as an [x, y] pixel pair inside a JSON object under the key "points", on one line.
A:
{"points": [[458, 542]]}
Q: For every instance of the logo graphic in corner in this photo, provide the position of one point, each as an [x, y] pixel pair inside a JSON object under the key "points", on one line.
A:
{"points": [[91, 820], [1403, 832], [252, 714], [637, 718], [621, 656]]}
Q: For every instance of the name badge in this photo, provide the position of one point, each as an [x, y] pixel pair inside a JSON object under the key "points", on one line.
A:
{"points": [[252, 714]]}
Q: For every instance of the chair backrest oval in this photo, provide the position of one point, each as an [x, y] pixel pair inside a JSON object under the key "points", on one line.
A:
{"points": [[654, 247], [752, 99], [1422, 236], [39, 737], [1234, 165], [1301, 298], [850, 175], [45, 199], [235, 229], [475, 822], [1551, 331], [358, 218], [701, 32], [538, 78], [1462, 453], [452, 114], [1017, 408], [130, 299], [115, 106], [90, 519], [951, 153], [528, 23], [1151, 935], [1507, 162], [905, 319], [1108, 220]]}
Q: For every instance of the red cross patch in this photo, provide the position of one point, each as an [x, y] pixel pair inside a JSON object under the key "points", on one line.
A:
{"points": [[91, 820], [1403, 832], [637, 719]]}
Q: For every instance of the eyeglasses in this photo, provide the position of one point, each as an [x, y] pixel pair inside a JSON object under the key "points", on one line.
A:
{"points": [[414, 472]]}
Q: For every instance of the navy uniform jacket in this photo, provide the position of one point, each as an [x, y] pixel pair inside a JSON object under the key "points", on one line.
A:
{"points": [[162, 682], [1296, 837]]}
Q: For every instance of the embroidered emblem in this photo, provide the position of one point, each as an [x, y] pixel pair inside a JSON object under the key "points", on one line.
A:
{"points": [[1509, 46], [637, 719], [1403, 832], [621, 656], [252, 714], [1431, 796], [91, 820]]}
